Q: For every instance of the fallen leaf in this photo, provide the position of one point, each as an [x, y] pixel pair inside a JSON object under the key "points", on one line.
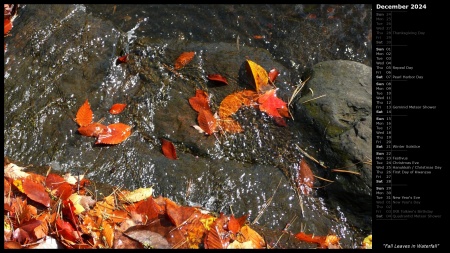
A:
{"points": [[207, 122], [233, 102], [273, 74], [58, 186], [168, 149], [66, 231], [122, 59], [270, 103], [36, 192], [216, 237], [13, 171], [323, 242], [84, 115], [305, 178], [93, 130], [149, 239], [251, 235], [117, 133], [183, 59], [138, 194], [217, 78], [7, 26], [260, 76], [200, 101], [230, 125], [117, 108]]}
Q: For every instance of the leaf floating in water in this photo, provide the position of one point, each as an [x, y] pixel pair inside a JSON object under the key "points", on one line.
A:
{"points": [[84, 115], [183, 59], [117, 133], [117, 108], [122, 59], [168, 149], [217, 78], [231, 103], [93, 130], [324, 242]]}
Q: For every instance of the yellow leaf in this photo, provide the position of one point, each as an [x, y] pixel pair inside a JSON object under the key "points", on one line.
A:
{"points": [[260, 77], [19, 185], [139, 194], [75, 198], [208, 222]]}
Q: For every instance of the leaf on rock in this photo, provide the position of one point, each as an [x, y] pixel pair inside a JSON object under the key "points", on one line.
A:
{"points": [[178, 214], [117, 108], [269, 103], [93, 130], [84, 115], [149, 208], [7, 26], [324, 242], [168, 149], [217, 78], [122, 59], [117, 133], [36, 192], [138, 194], [183, 60], [233, 102], [200, 101], [305, 179], [230, 125], [260, 76], [215, 237], [273, 74], [207, 121], [233, 224]]}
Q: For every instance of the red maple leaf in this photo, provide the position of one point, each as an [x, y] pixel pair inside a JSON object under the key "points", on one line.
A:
{"points": [[269, 103]]}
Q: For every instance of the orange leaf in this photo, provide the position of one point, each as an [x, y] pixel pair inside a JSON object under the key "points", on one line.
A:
{"points": [[149, 208], [93, 130], [84, 114], [231, 103], [58, 186], [184, 59], [260, 76], [214, 238], [122, 59], [207, 122], [233, 224], [217, 78], [36, 192], [7, 26], [273, 74], [253, 236], [322, 241], [168, 149], [305, 178], [200, 101], [116, 133], [178, 214], [230, 125], [269, 103], [117, 108]]}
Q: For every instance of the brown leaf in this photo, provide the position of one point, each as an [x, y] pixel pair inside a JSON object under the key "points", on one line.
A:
{"points": [[183, 59], [168, 149], [117, 108], [200, 101], [273, 74], [84, 115], [216, 237], [305, 179], [207, 122], [66, 231], [251, 235], [117, 133], [149, 208], [233, 224], [149, 239], [230, 125], [217, 78], [36, 192], [58, 186], [178, 214]]}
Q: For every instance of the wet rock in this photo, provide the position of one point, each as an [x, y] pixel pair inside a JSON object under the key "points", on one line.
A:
{"points": [[344, 119]]}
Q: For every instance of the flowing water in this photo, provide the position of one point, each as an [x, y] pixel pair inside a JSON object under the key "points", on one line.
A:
{"points": [[60, 55]]}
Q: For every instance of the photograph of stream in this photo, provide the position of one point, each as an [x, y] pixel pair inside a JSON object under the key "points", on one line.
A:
{"points": [[259, 115]]}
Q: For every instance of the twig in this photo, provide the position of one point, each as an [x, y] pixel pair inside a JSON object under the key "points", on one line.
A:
{"points": [[313, 99], [266, 204], [310, 157]]}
